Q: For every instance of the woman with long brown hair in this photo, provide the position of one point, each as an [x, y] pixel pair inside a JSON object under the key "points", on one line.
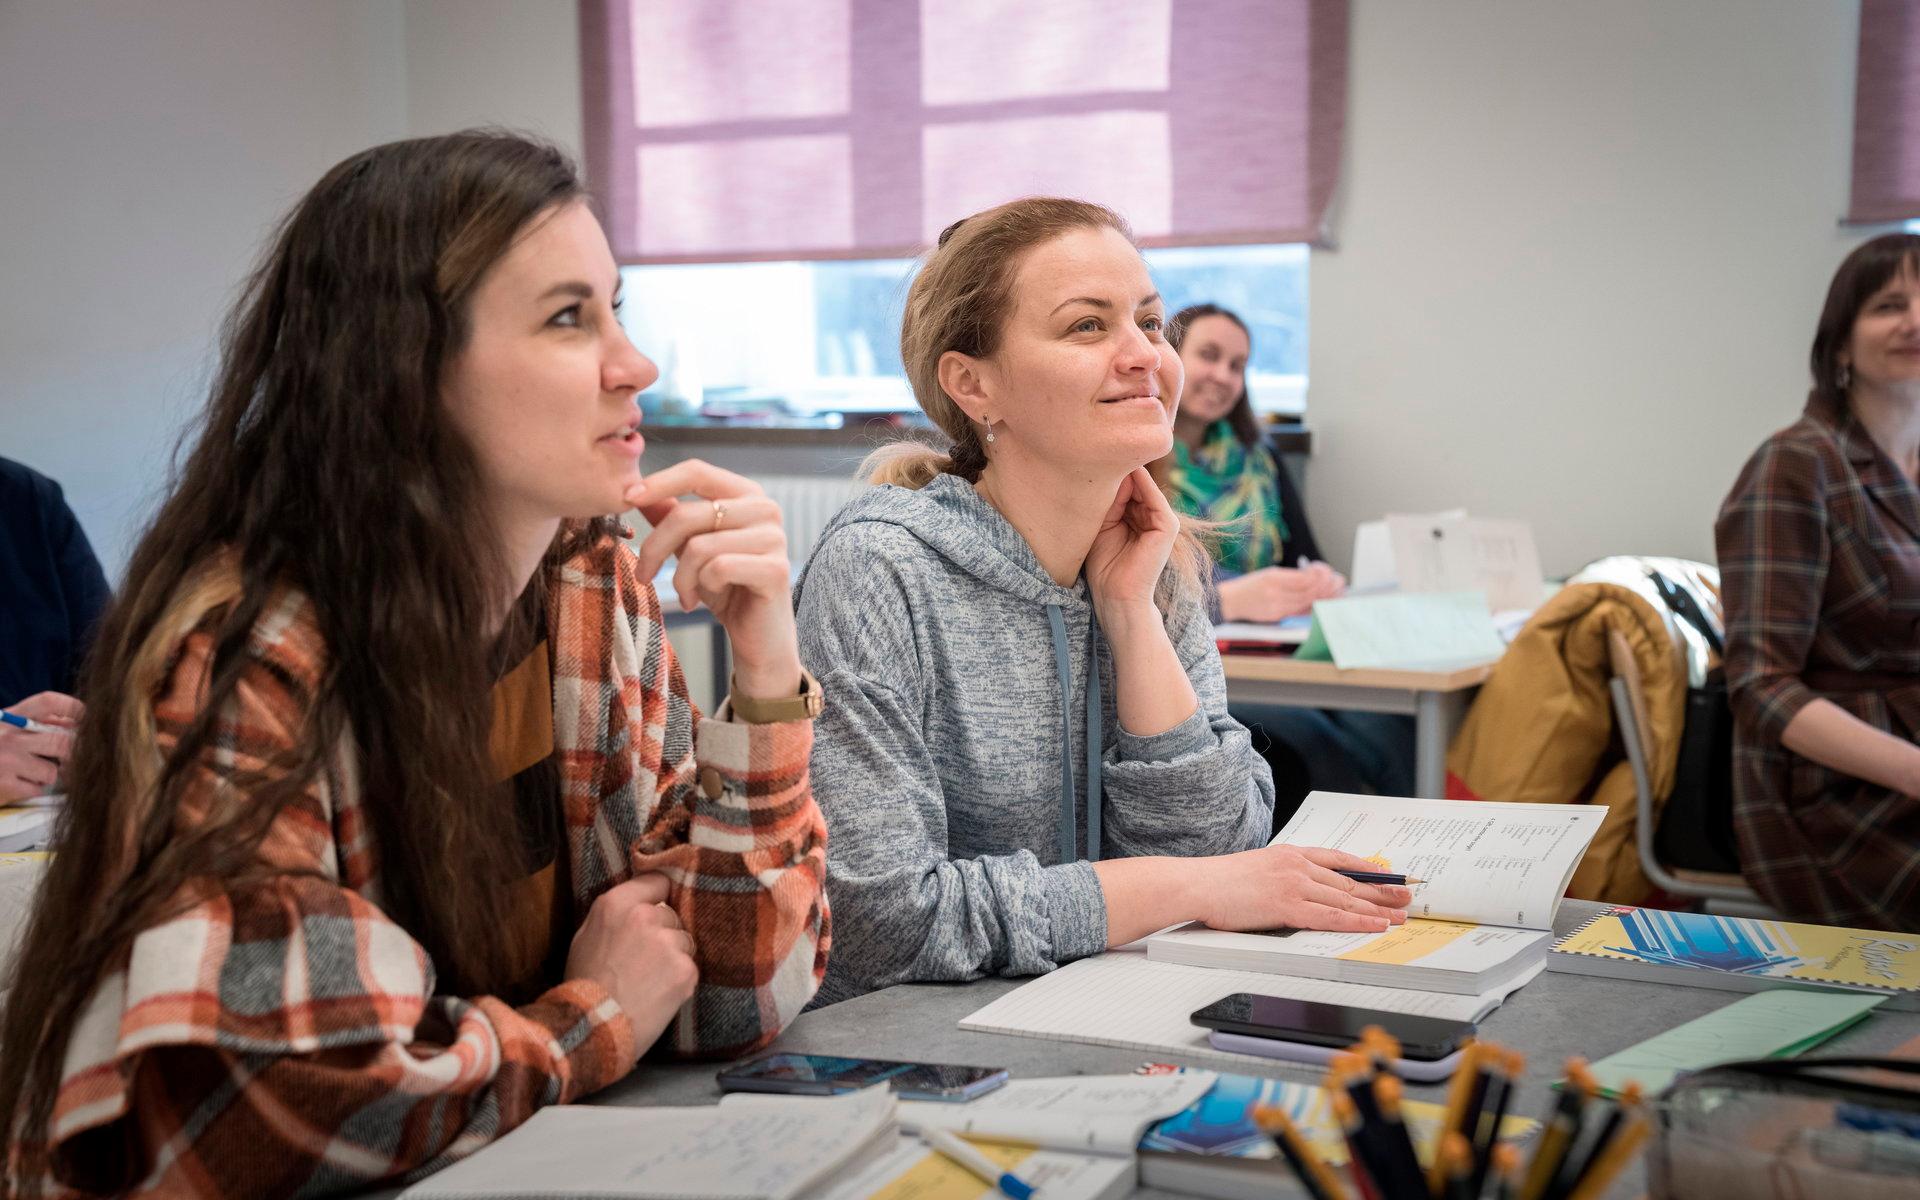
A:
{"points": [[1029, 757], [390, 819]]}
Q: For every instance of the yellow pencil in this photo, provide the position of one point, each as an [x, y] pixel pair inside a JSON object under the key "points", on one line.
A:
{"points": [[1384, 1047], [1315, 1175], [1610, 1159], [1458, 1093], [1555, 1142], [1506, 1170]]}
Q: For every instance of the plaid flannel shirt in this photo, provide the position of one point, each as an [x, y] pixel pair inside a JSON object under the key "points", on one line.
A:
{"points": [[1819, 547], [286, 1039]]}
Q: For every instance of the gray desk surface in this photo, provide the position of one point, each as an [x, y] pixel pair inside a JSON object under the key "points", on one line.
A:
{"points": [[1552, 1018]]}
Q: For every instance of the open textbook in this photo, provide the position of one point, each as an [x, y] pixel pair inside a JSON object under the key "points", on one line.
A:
{"points": [[1493, 878]]}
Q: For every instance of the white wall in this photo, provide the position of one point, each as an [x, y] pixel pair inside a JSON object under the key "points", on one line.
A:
{"points": [[1581, 247], [1581, 252], [144, 151], [494, 62]]}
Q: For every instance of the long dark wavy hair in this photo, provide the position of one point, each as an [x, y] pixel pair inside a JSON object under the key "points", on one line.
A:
{"points": [[324, 461]]}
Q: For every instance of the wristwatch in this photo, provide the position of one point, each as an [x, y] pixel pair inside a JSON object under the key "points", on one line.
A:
{"points": [[802, 707]]}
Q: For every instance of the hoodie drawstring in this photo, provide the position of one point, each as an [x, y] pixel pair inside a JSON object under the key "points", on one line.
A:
{"points": [[1069, 850]]}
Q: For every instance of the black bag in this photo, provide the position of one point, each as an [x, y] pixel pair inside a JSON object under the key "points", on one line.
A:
{"points": [[1696, 827]]}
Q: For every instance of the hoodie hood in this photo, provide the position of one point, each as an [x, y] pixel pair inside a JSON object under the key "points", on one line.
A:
{"points": [[957, 523]]}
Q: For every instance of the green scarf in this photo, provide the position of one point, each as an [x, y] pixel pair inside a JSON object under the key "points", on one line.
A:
{"points": [[1225, 481]]}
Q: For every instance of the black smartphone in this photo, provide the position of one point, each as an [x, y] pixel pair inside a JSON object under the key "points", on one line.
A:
{"points": [[1424, 1038], [826, 1075]]}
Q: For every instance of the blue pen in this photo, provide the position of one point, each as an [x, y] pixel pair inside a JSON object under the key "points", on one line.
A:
{"points": [[26, 723], [976, 1162]]}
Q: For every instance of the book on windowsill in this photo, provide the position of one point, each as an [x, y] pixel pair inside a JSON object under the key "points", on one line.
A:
{"points": [[1493, 876], [1742, 954]]}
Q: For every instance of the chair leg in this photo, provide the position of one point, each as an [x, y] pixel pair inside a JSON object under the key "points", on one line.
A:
{"points": [[1643, 826]]}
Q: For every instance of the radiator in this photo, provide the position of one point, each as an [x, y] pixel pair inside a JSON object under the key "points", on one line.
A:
{"points": [[808, 503]]}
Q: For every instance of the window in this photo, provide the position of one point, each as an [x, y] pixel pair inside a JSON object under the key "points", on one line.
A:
{"points": [[825, 336]]}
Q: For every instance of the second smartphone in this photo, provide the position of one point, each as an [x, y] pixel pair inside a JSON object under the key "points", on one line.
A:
{"points": [[826, 1075]]}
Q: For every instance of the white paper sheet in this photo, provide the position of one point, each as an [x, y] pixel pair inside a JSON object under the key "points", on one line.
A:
{"points": [[1102, 1114], [1449, 553]]}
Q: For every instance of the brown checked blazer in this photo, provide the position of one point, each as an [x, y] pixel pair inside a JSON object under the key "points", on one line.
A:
{"points": [[1819, 546]]}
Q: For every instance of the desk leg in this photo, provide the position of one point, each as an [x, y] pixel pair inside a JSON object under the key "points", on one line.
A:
{"points": [[1436, 718]]}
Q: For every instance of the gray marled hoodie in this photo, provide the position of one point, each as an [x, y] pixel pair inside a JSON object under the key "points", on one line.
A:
{"points": [[940, 759]]}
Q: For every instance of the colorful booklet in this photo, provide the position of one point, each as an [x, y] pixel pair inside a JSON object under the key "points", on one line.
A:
{"points": [[1493, 876], [1214, 1148], [1742, 954]]}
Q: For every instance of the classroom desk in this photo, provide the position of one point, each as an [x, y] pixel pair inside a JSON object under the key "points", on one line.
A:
{"points": [[1437, 700], [1555, 1016]]}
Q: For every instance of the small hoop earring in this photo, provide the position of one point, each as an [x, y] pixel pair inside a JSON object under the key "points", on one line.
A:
{"points": [[989, 425], [1846, 376]]}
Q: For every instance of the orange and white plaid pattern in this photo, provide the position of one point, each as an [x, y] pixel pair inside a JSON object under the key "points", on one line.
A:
{"points": [[285, 1038]]}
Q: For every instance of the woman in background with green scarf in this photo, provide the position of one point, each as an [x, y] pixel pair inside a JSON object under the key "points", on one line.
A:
{"points": [[1266, 563]]}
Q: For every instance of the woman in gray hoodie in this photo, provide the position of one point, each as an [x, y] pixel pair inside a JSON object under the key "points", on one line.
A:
{"points": [[1028, 756]]}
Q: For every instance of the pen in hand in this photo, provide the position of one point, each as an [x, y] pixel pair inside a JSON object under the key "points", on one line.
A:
{"points": [[26, 723], [1381, 877]]}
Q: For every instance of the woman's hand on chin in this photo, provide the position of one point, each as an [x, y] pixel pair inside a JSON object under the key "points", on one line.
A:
{"points": [[1131, 550], [731, 551]]}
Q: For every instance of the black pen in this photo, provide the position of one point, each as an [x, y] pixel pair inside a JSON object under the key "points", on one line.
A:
{"points": [[1383, 877]]}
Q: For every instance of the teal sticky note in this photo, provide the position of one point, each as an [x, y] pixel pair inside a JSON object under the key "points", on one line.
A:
{"points": [[1778, 1023]]}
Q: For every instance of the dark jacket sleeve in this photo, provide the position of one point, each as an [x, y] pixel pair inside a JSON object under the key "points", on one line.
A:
{"points": [[82, 581], [1300, 540], [52, 582]]}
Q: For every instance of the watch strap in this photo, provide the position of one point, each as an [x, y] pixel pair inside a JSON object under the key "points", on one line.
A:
{"points": [[802, 706]]}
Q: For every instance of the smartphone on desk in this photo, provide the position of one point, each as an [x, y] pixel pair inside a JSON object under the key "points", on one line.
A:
{"points": [[827, 1075], [1423, 1039]]}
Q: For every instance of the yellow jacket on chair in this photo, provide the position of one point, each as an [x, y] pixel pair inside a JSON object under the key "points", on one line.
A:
{"points": [[1541, 730]]}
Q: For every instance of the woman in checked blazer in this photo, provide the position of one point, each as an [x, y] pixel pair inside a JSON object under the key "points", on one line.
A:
{"points": [[1819, 548]]}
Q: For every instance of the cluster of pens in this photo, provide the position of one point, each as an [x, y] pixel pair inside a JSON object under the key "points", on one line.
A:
{"points": [[1587, 1140]]}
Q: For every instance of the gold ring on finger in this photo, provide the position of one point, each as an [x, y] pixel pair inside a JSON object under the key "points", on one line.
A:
{"points": [[719, 515]]}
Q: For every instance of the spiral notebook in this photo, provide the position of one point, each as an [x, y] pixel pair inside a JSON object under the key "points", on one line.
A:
{"points": [[1742, 954]]}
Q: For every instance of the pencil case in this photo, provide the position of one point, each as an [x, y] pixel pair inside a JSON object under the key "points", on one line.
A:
{"points": [[1789, 1129]]}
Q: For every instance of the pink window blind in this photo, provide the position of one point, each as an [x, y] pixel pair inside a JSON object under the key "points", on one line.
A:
{"points": [[1886, 114], [734, 130]]}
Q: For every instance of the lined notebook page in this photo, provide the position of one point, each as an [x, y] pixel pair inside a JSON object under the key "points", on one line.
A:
{"points": [[1123, 999]]}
